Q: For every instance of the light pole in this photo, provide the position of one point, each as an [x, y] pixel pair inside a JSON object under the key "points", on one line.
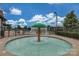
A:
{"points": [[56, 20]]}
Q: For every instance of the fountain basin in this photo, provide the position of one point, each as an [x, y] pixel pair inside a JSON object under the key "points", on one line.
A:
{"points": [[28, 46]]}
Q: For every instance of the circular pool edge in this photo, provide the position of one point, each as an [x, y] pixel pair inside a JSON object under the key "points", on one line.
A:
{"points": [[12, 39]]}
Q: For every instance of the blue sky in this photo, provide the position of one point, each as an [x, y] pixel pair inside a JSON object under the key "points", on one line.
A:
{"points": [[29, 13]]}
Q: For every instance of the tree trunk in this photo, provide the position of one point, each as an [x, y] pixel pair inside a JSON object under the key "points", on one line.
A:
{"points": [[8, 32], [15, 31], [38, 34]]}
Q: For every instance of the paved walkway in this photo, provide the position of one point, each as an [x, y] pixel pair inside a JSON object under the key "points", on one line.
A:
{"points": [[73, 52]]}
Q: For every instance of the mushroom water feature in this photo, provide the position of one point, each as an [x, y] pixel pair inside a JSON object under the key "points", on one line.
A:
{"points": [[39, 26]]}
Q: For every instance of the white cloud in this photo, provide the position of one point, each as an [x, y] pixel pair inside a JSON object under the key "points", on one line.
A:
{"points": [[52, 18], [59, 19], [12, 22], [50, 15], [4, 12], [22, 24], [25, 24], [38, 18], [15, 11], [52, 22], [21, 20], [48, 19], [59, 24]]}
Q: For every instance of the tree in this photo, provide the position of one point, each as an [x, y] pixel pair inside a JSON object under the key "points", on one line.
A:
{"points": [[71, 20], [18, 27], [24, 29], [9, 28]]}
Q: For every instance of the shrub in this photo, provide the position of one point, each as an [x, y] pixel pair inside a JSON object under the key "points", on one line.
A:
{"points": [[68, 34]]}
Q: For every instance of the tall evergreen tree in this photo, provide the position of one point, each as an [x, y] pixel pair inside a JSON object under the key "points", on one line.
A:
{"points": [[71, 20]]}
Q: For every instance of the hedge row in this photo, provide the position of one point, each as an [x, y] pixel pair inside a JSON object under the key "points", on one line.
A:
{"points": [[68, 34]]}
